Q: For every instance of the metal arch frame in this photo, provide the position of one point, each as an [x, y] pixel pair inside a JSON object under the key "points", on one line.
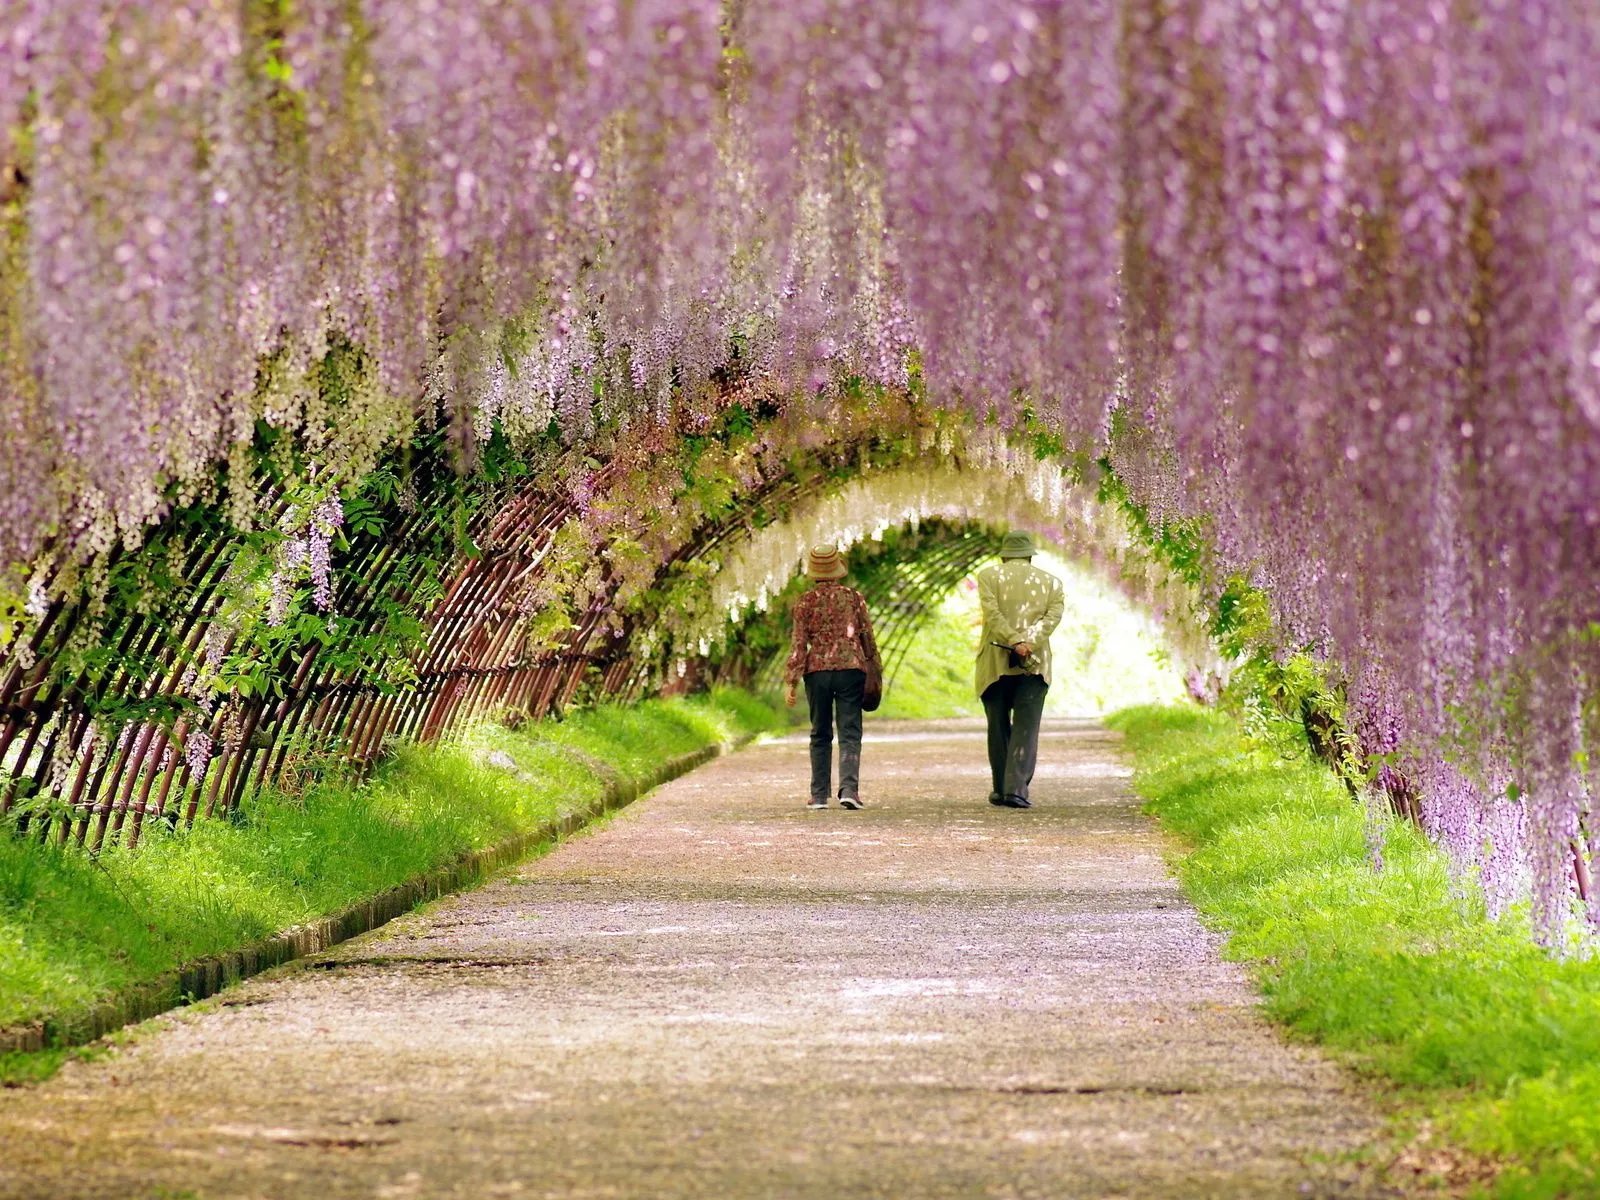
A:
{"points": [[474, 659]]}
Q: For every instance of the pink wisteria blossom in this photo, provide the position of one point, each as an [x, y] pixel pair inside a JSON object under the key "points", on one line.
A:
{"points": [[1323, 275]]}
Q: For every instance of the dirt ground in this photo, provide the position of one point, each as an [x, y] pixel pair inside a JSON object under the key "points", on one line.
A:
{"points": [[722, 994]]}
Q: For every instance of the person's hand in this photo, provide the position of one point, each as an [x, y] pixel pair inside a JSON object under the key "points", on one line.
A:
{"points": [[1024, 649], [790, 699]]}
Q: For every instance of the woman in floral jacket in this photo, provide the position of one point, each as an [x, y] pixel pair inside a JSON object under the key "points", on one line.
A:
{"points": [[833, 651]]}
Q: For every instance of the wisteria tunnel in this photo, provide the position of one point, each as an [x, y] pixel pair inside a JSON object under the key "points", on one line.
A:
{"points": [[377, 373], [451, 600]]}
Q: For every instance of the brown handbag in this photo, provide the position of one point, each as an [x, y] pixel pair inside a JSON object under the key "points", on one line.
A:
{"points": [[872, 693]]}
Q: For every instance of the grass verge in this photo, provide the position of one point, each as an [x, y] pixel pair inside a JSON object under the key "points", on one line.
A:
{"points": [[74, 930], [1492, 1041]]}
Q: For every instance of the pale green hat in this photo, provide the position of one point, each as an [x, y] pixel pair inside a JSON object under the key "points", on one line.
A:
{"points": [[1017, 544]]}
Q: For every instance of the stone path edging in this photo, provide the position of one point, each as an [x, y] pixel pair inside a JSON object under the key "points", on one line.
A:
{"points": [[205, 977]]}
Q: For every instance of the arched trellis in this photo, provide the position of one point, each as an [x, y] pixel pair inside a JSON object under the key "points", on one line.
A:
{"points": [[937, 521], [100, 727]]}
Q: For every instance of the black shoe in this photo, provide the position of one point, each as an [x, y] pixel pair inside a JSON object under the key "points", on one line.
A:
{"points": [[1010, 801], [994, 798], [817, 802], [850, 802]]}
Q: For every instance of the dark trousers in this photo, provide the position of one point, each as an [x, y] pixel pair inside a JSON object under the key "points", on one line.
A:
{"points": [[831, 694], [1014, 705]]}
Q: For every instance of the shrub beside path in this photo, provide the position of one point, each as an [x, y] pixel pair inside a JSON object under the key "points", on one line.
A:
{"points": [[719, 993]]}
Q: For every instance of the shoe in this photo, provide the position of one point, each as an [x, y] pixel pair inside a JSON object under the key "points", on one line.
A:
{"points": [[994, 798], [814, 803], [850, 802], [1010, 802]]}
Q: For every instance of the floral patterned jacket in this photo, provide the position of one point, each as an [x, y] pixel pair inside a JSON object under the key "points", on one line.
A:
{"points": [[832, 632]]}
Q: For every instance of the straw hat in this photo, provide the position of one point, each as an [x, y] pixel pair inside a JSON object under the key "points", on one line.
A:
{"points": [[825, 562], [1017, 544]]}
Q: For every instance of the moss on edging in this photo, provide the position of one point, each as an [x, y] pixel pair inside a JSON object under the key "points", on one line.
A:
{"points": [[1490, 1040], [434, 820]]}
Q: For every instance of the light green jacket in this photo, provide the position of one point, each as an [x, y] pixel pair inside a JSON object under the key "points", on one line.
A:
{"points": [[1020, 603]]}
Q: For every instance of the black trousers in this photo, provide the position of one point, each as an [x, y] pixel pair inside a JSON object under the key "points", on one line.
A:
{"points": [[1014, 705], [835, 694]]}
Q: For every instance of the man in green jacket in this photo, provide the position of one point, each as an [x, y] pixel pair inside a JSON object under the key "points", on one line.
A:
{"points": [[1021, 609]]}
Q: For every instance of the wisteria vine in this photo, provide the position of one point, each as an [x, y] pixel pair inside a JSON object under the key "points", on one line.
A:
{"points": [[1321, 278]]}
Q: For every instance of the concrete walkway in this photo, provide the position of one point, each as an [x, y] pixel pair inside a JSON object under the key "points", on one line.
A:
{"points": [[721, 994]]}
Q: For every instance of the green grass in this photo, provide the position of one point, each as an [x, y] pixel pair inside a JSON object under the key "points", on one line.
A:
{"points": [[1490, 1037], [74, 930]]}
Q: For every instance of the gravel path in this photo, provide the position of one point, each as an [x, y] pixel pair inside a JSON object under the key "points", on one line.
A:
{"points": [[721, 994]]}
